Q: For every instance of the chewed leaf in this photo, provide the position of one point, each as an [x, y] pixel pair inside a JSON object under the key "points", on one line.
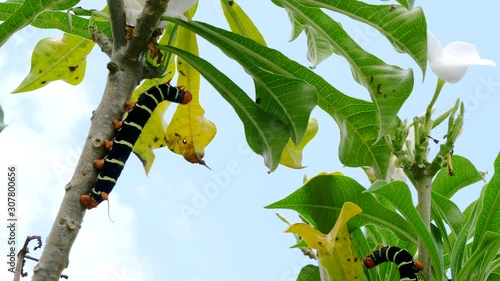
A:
{"points": [[292, 154], [239, 22], [189, 132], [57, 59], [336, 252], [2, 125]]}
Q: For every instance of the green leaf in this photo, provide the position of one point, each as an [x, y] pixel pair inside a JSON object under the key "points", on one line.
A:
{"points": [[321, 198], [465, 175], [460, 253], [356, 118], [2, 125], [398, 193], [292, 154], [406, 28], [309, 273], [489, 207], [288, 98], [408, 4], [389, 85], [57, 59], [297, 26], [448, 211], [28, 11], [318, 48], [486, 251], [265, 134], [58, 20], [239, 22]]}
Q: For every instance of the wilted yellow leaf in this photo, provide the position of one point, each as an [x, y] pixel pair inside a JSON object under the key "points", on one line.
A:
{"points": [[57, 59], [292, 154], [189, 132], [335, 250]]}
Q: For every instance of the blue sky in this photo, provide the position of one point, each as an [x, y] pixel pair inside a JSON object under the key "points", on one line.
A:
{"points": [[228, 235]]}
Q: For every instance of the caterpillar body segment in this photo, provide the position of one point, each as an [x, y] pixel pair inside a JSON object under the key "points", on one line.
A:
{"points": [[128, 131], [408, 268]]}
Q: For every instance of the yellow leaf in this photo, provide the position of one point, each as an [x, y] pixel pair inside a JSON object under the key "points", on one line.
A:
{"points": [[239, 22], [292, 154], [189, 132], [335, 250], [57, 59]]}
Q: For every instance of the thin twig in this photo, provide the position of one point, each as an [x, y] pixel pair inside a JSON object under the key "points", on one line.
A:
{"points": [[101, 40]]}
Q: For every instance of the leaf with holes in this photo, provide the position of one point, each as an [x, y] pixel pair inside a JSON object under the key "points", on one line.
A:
{"points": [[57, 59], [292, 154], [335, 249], [189, 132]]}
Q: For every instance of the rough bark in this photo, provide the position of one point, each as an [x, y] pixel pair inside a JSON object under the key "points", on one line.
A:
{"points": [[125, 73]]}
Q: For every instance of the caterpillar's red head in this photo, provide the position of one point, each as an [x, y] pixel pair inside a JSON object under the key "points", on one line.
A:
{"points": [[187, 97], [369, 262], [419, 265]]}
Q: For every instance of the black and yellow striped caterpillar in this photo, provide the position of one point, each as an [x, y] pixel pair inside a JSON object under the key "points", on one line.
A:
{"points": [[128, 131], [408, 268]]}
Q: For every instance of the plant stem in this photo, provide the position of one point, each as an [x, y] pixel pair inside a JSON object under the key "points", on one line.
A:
{"points": [[428, 112], [424, 189]]}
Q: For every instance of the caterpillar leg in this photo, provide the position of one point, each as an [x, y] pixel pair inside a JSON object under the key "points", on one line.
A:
{"points": [[92, 200]]}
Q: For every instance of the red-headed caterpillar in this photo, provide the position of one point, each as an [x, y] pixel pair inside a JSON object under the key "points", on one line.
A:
{"points": [[408, 268], [127, 133]]}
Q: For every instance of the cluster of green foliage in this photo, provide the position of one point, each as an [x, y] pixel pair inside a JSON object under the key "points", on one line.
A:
{"points": [[465, 243]]}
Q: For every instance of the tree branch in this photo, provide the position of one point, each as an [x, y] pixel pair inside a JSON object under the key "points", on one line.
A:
{"points": [[118, 21], [102, 41], [146, 24], [125, 73]]}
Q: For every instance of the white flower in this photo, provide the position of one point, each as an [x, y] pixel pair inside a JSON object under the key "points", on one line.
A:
{"points": [[175, 8], [450, 64], [394, 171]]}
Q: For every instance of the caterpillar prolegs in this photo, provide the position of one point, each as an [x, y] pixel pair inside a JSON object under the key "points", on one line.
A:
{"points": [[408, 268], [128, 131]]}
